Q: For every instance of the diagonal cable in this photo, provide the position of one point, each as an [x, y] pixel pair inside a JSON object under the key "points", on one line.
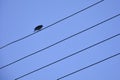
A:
{"points": [[68, 56], [89, 66], [51, 24], [59, 41]]}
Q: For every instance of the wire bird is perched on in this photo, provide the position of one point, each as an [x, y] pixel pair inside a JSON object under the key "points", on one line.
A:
{"points": [[38, 28]]}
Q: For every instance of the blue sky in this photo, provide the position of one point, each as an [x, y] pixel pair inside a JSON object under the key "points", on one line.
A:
{"points": [[19, 18]]}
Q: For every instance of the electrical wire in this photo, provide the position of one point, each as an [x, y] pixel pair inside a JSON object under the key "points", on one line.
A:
{"points": [[68, 56], [52, 24], [88, 66], [60, 41]]}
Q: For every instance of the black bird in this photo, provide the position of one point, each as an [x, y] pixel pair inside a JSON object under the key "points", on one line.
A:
{"points": [[38, 28]]}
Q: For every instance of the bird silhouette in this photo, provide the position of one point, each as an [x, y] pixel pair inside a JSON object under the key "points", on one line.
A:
{"points": [[38, 28]]}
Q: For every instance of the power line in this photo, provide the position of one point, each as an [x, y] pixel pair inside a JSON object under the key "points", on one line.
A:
{"points": [[52, 24], [69, 56], [89, 66], [59, 41]]}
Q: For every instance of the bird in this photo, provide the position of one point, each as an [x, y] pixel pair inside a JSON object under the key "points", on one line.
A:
{"points": [[37, 28]]}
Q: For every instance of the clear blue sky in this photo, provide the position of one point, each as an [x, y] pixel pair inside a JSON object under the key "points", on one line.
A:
{"points": [[19, 17]]}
